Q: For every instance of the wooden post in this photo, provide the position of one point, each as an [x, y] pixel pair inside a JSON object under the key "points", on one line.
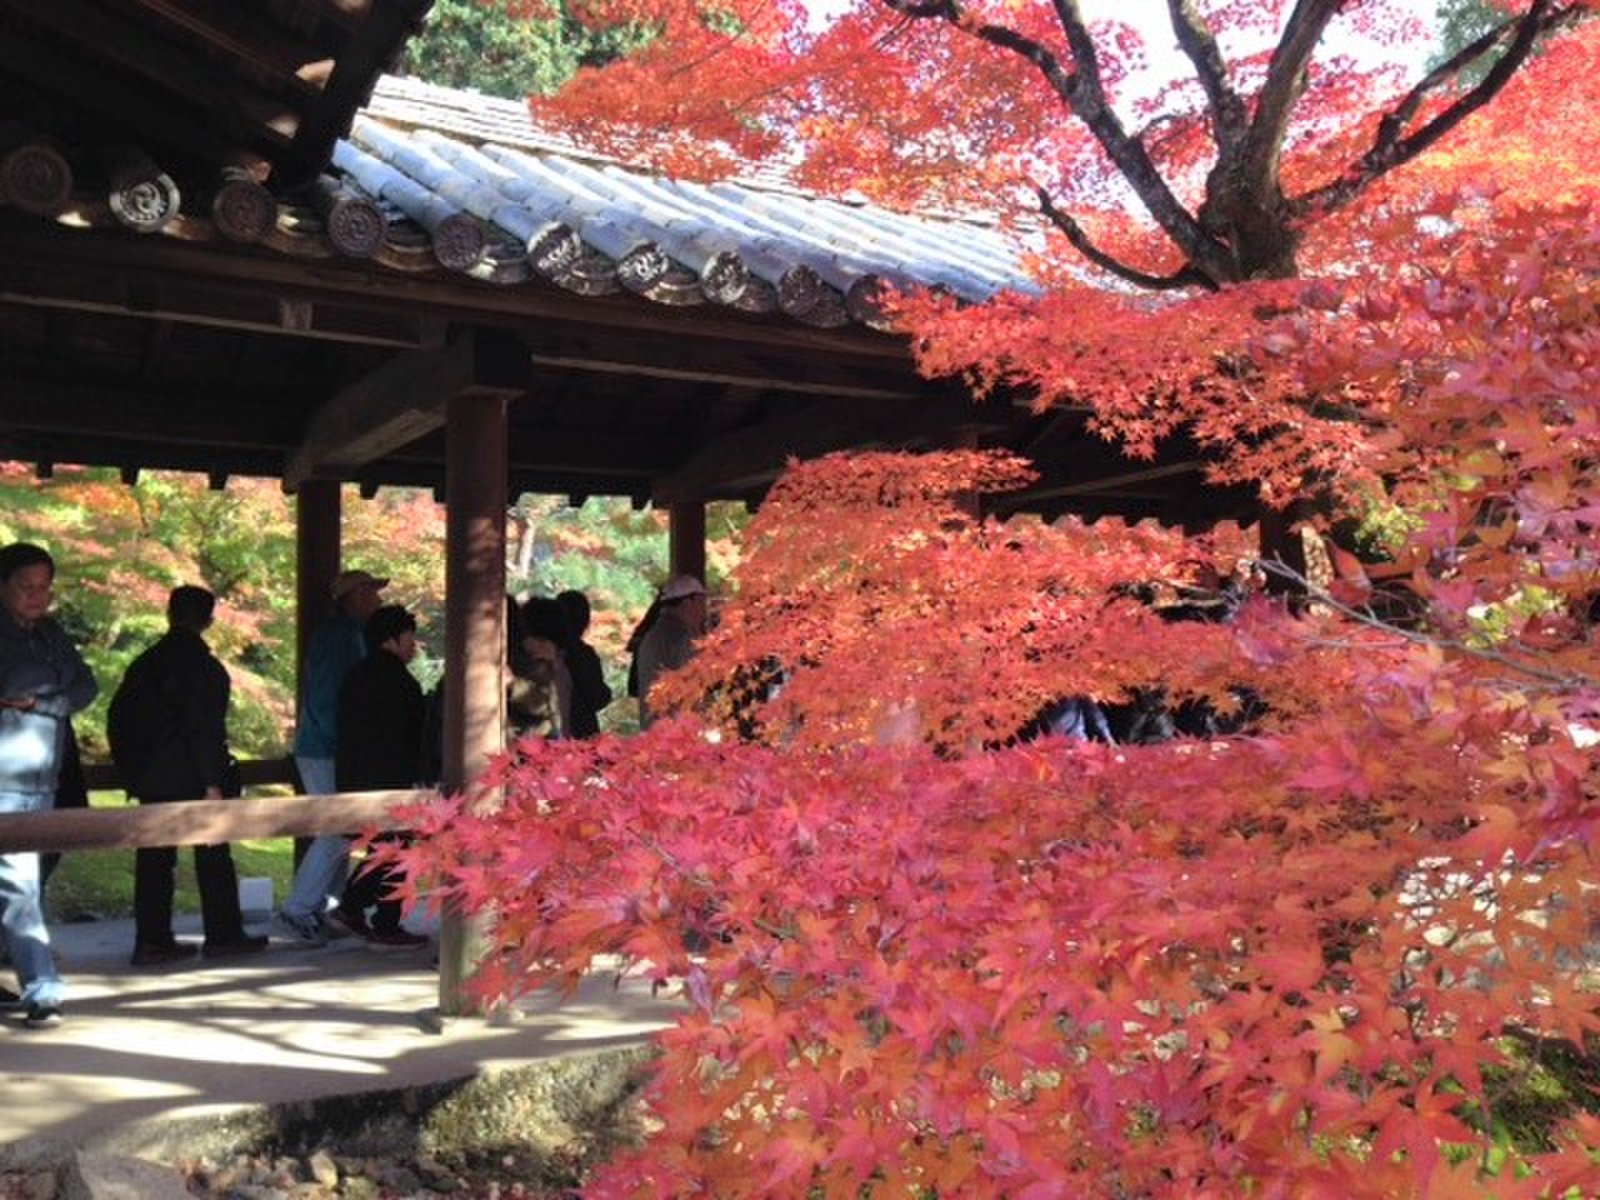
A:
{"points": [[476, 480], [316, 513], [316, 530], [686, 539]]}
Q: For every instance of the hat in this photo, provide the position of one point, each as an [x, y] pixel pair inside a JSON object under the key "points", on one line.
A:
{"points": [[346, 582], [680, 586]]}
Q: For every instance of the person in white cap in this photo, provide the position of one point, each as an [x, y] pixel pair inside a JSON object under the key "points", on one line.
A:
{"points": [[336, 647], [670, 641]]}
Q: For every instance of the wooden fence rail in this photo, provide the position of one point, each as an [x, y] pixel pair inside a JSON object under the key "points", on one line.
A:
{"points": [[202, 822], [253, 772]]}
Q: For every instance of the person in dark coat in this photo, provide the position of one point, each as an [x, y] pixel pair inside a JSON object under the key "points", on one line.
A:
{"points": [[168, 728], [590, 692], [381, 713]]}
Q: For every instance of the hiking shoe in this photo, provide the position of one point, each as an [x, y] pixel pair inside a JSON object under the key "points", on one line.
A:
{"points": [[245, 943], [342, 923], [42, 1016], [305, 932], [162, 954], [395, 939]]}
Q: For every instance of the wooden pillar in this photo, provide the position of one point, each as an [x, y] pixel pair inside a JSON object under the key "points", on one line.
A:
{"points": [[476, 480], [686, 539], [317, 551], [316, 528]]}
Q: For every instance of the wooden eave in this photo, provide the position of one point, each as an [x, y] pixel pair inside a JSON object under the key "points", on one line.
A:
{"points": [[318, 332]]}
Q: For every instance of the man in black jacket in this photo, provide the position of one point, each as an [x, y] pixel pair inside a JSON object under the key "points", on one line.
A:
{"points": [[168, 731], [380, 748]]}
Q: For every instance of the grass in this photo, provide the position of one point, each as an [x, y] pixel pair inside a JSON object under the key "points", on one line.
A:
{"points": [[91, 884]]}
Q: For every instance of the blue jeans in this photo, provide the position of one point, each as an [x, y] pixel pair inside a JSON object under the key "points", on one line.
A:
{"points": [[323, 870], [22, 916]]}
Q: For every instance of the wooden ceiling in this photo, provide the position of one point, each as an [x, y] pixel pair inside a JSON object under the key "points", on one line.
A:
{"points": [[268, 86], [192, 351]]}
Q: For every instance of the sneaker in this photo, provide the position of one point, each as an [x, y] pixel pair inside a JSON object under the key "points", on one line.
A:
{"points": [[342, 922], [9, 1000], [245, 943], [396, 939], [42, 1016], [305, 932], [162, 954]]}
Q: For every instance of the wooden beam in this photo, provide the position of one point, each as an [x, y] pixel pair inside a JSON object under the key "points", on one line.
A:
{"points": [[398, 403], [195, 306], [1103, 483], [822, 379], [228, 268], [374, 42], [144, 414], [201, 822], [221, 91], [754, 456], [176, 126], [255, 46]]}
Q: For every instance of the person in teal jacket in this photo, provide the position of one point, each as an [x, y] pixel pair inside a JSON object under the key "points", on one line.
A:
{"points": [[335, 648]]}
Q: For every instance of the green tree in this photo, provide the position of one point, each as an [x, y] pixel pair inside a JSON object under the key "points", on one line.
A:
{"points": [[504, 49]]}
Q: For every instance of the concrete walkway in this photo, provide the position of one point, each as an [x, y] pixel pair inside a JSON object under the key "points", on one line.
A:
{"points": [[289, 1024]]}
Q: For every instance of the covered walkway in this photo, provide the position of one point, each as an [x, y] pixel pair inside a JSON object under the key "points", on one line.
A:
{"points": [[145, 1055]]}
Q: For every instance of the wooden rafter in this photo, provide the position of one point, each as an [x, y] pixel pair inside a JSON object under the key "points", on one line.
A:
{"points": [[399, 402], [751, 458]]}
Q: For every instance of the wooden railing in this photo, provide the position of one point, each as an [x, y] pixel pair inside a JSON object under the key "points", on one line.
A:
{"points": [[202, 822], [253, 772]]}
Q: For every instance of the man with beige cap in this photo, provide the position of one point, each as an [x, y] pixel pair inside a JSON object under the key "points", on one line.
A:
{"points": [[669, 642]]}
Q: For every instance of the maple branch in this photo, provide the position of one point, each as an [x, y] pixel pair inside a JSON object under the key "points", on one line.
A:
{"points": [[1083, 92], [1389, 149], [1187, 276], [1195, 39], [1286, 79], [1553, 680]]}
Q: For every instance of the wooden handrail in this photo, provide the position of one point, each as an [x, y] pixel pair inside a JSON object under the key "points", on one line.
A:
{"points": [[253, 772], [202, 822]]}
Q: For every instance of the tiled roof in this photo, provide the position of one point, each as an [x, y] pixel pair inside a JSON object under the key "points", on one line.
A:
{"points": [[506, 201]]}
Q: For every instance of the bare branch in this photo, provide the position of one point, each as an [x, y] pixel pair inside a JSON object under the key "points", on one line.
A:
{"points": [[1390, 150], [1186, 277], [1084, 94], [1228, 113], [1531, 670], [943, 10], [1286, 80]]}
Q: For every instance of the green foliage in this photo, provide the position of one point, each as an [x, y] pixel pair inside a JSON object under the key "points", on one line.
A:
{"points": [[96, 884], [1460, 23], [121, 548], [502, 50]]}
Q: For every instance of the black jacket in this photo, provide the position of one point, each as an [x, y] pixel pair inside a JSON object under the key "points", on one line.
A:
{"points": [[590, 692], [168, 723], [380, 726]]}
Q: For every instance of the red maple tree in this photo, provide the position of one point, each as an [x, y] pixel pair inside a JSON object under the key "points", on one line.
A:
{"points": [[1306, 954]]}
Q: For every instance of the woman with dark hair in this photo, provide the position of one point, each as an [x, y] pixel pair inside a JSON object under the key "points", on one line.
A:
{"points": [[589, 690], [540, 703]]}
